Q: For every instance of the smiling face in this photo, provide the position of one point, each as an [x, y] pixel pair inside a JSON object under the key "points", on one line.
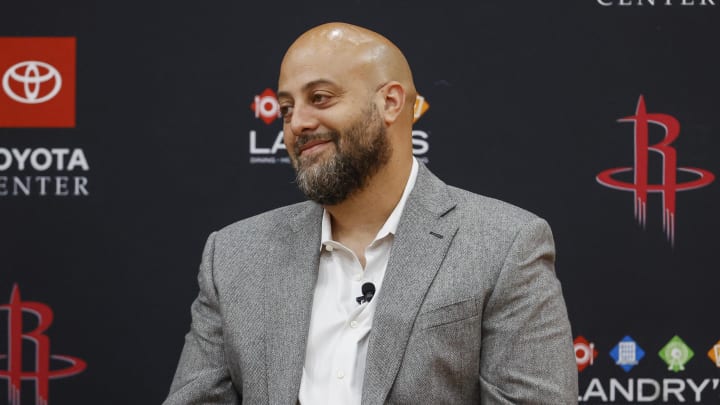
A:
{"points": [[334, 132], [341, 162]]}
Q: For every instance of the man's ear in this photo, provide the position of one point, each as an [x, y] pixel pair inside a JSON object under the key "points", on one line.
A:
{"points": [[393, 101]]}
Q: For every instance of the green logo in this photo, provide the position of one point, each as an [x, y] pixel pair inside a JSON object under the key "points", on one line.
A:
{"points": [[676, 354]]}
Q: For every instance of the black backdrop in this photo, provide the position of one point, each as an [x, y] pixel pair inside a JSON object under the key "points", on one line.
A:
{"points": [[524, 100]]}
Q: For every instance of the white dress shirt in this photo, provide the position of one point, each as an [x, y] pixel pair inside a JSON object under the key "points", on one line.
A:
{"points": [[340, 327]]}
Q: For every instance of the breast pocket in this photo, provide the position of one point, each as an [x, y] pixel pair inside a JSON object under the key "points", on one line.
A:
{"points": [[442, 357], [447, 314]]}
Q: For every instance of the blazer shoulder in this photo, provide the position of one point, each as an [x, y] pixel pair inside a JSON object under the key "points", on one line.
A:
{"points": [[267, 226], [487, 211], [494, 227]]}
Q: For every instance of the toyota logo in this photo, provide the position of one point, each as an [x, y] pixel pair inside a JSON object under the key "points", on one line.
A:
{"points": [[32, 75]]}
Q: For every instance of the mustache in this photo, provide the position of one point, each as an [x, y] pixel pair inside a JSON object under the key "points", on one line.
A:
{"points": [[303, 140]]}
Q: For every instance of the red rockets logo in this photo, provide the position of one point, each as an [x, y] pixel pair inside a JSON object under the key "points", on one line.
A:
{"points": [[669, 186], [12, 366]]}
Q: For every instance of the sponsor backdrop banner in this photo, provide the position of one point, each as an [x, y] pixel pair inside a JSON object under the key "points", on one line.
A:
{"points": [[129, 132]]}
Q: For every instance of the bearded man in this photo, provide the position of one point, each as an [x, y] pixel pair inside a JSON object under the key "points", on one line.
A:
{"points": [[388, 286]]}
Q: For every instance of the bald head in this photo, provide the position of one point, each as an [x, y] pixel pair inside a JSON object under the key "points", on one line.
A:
{"points": [[346, 95], [346, 51]]}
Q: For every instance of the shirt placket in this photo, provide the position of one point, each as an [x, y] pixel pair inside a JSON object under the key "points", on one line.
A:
{"points": [[343, 363]]}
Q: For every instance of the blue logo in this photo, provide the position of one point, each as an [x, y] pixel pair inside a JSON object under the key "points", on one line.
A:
{"points": [[627, 353]]}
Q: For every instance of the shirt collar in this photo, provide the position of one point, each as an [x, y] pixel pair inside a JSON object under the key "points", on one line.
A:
{"points": [[391, 224]]}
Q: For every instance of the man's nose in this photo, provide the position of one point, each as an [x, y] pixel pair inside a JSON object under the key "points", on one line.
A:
{"points": [[303, 120]]}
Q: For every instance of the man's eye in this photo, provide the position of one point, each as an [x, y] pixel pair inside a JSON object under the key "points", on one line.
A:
{"points": [[319, 98], [285, 110]]}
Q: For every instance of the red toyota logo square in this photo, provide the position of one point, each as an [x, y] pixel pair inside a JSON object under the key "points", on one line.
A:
{"points": [[37, 82]]}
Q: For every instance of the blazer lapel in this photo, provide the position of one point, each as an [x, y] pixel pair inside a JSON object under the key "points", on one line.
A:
{"points": [[421, 243], [288, 305]]}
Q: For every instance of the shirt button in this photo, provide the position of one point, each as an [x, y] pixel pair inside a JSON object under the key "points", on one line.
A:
{"points": [[357, 277], [353, 324], [340, 374], [328, 248]]}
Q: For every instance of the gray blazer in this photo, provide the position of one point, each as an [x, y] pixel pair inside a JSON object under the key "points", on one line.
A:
{"points": [[470, 309]]}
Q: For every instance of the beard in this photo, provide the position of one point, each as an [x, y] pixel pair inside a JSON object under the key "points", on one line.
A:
{"points": [[360, 151]]}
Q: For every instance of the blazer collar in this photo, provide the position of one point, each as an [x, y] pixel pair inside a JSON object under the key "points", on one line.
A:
{"points": [[423, 238], [288, 303]]}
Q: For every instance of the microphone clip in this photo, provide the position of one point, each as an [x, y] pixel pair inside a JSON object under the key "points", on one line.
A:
{"points": [[368, 291]]}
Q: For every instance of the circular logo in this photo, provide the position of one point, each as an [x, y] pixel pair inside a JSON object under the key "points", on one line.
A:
{"points": [[583, 354], [32, 75], [268, 106]]}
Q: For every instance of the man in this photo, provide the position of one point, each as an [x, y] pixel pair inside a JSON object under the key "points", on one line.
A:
{"points": [[466, 306]]}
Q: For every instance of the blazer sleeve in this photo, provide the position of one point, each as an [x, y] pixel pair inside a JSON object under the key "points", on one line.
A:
{"points": [[202, 375], [527, 353]]}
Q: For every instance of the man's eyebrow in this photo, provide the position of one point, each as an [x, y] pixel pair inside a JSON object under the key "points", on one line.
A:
{"points": [[308, 86]]}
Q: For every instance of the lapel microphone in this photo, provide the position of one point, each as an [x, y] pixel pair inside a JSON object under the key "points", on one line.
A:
{"points": [[368, 291]]}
